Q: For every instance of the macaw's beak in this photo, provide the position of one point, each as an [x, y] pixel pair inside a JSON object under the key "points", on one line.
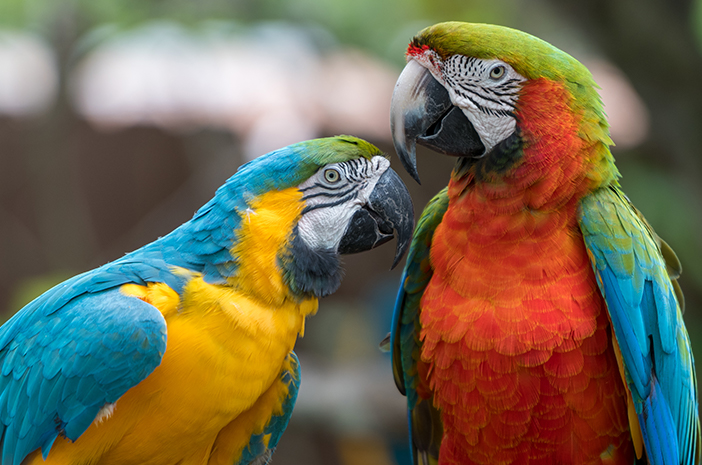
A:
{"points": [[422, 112], [389, 208]]}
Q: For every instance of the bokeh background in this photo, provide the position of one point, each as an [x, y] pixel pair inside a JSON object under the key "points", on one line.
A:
{"points": [[119, 118]]}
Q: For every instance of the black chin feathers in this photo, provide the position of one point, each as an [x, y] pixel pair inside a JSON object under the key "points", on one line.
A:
{"points": [[496, 162], [308, 272]]}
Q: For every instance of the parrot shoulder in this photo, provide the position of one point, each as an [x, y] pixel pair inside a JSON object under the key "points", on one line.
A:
{"points": [[636, 273]]}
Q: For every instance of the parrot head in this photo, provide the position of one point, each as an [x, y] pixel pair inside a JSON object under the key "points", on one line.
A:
{"points": [[476, 91], [354, 201], [347, 200]]}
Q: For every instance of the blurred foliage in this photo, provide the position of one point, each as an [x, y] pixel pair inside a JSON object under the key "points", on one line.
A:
{"points": [[382, 26]]}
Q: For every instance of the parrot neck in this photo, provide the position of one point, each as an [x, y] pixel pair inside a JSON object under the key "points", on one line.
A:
{"points": [[253, 246], [309, 272], [559, 151], [270, 258]]}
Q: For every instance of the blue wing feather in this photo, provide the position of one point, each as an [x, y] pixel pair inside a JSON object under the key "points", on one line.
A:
{"points": [[279, 423], [97, 347], [647, 320], [258, 451]]}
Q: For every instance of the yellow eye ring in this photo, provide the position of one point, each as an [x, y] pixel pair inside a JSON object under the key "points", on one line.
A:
{"points": [[332, 176], [497, 72]]}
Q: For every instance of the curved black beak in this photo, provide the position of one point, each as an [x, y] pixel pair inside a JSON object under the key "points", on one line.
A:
{"points": [[389, 208], [422, 112]]}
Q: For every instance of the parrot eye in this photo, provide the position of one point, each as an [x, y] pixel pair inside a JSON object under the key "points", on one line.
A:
{"points": [[497, 72], [331, 175]]}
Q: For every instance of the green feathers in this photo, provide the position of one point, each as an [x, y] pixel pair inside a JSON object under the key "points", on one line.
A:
{"points": [[528, 55], [319, 152]]}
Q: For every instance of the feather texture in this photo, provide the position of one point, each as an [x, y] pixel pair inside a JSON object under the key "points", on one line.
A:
{"points": [[179, 352], [647, 320], [538, 312]]}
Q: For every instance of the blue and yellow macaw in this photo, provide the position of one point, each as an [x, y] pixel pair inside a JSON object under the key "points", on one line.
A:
{"points": [[539, 319], [181, 351]]}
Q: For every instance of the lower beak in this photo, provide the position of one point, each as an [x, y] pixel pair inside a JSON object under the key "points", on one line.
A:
{"points": [[422, 112], [389, 209]]}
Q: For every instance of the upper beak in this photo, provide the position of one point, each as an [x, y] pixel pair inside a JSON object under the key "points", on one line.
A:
{"points": [[421, 111], [389, 208]]}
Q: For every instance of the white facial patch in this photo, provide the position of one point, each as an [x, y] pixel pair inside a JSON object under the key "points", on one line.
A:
{"points": [[333, 195], [486, 90], [491, 129]]}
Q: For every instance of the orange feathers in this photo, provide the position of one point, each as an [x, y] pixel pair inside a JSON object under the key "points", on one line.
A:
{"points": [[515, 333]]}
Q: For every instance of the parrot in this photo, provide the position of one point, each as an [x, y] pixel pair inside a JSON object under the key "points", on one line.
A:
{"points": [[181, 352], [539, 317]]}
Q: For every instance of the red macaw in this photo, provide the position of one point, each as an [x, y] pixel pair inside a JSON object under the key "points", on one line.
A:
{"points": [[539, 320]]}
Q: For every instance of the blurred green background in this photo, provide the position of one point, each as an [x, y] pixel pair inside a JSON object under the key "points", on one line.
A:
{"points": [[119, 118]]}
